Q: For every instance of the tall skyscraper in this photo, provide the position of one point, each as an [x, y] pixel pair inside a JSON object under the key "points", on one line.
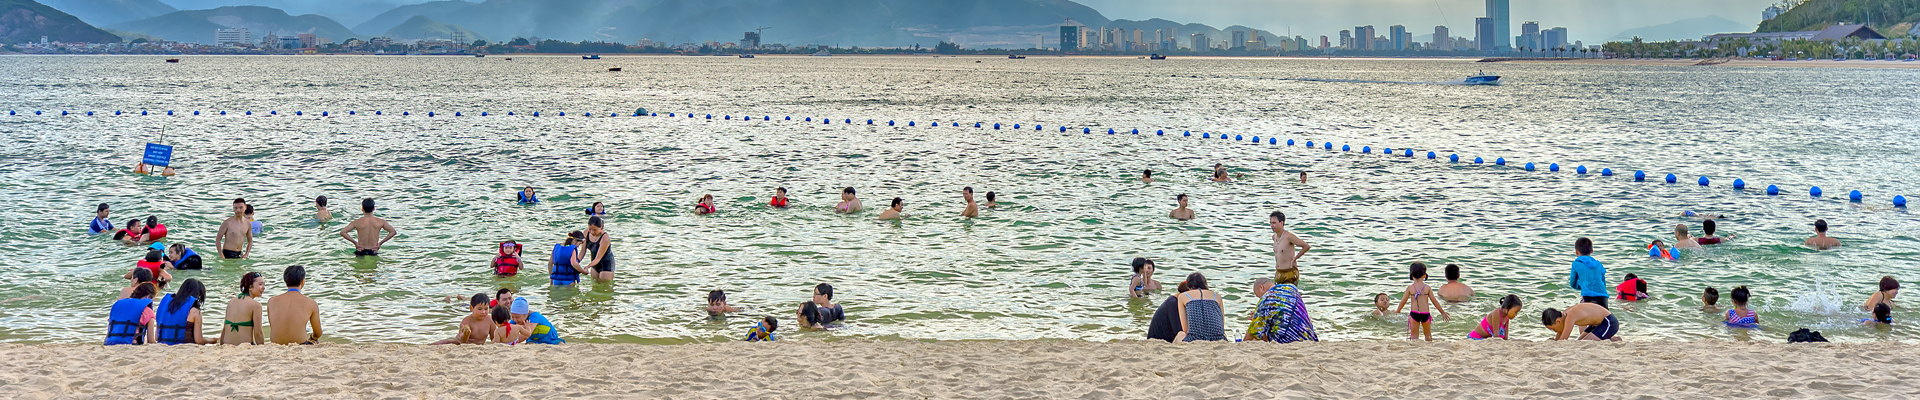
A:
{"points": [[1239, 39], [1323, 42], [1200, 43], [1397, 34], [1069, 38], [1498, 11], [1366, 36], [1442, 40], [1485, 35], [1554, 38], [1346, 39], [1137, 43], [1529, 36]]}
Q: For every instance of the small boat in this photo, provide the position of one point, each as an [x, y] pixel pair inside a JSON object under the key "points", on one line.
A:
{"points": [[1014, 57], [590, 57], [614, 69], [509, 58], [479, 55], [1482, 79], [823, 53], [1156, 57], [746, 56], [173, 61]]}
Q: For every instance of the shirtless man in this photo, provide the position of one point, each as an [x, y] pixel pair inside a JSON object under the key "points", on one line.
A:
{"points": [[1820, 239], [1181, 212], [848, 203], [1284, 258], [1220, 173], [1682, 240], [368, 228], [1146, 176], [235, 238], [1594, 321], [291, 313], [322, 214], [477, 326], [972, 210], [893, 211]]}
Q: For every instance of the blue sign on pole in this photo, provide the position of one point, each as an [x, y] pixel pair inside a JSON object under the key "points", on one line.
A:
{"points": [[158, 154]]}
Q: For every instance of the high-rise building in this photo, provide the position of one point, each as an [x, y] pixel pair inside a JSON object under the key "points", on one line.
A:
{"points": [[1346, 39], [1323, 42], [232, 37], [750, 40], [1555, 38], [1485, 35], [308, 40], [1136, 41], [1498, 11], [1442, 40], [1239, 39], [1397, 34], [1200, 42], [1529, 36], [1366, 34], [1069, 38]]}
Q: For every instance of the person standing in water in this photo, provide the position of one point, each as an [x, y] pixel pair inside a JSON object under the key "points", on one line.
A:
{"points": [[235, 238], [368, 229], [599, 249], [1146, 176], [321, 213], [848, 203], [1820, 240], [779, 198], [1181, 212], [100, 222], [1284, 257], [972, 211], [893, 211], [1220, 173]]}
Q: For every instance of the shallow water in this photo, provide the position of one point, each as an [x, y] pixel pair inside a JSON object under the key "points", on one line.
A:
{"points": [[1049, 263]]}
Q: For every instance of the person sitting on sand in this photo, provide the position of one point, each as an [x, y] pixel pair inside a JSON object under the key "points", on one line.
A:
{"points": [[828, 312], [764, 331], [131, 319], [1281, 316], [244, 316], [1494, 325], [1740, 316], [1594, 321], [1146, 176], [1710, 300], [368, 229], [1142, 283], [291, 313], [1220, 174], [538, 328], [1888, 289], [1453, 290], [1707, 227], [321, 213], [780, 199], [475, 328], [1632, 289], [717, 304], [1165, 322], [1181, 212], [848, 202], [502, 331], [235, 237], [177, 318], [705, 206], [527, 197], [893, 211], [1682, 240], [1380, 303], [972, 211], [990, 202], [1202, 315], [100, 222], [1820, 241]]}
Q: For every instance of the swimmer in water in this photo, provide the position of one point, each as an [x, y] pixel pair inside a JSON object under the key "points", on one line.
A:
{"points": [[320, 210], [1820, 240], [1181, 212], [705, 206], [100, 222], [597, 210], [1147, 176], [368, 229], [848, 203], [527, 196], [1681, 240], [1303, 176], [779, 198], [1220, 174], [972, 211], [990, 203], [893, 211]]}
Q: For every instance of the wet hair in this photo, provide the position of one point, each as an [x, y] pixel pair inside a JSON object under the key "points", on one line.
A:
{"points": [[1680, 229], [1417, 271], [596, 206], [103, 207], [1196, 281], [153, 220], [596, 222], [321, 201], [575, 237], [177, 248], [989, 197], [771, 323], [366, 205], [1712, 296], [847, 191], [1707, 227], [239, 201], [141, 275], [897, 202], [1887, 283], [810, 311], [1182, 196], [1276, 215], [1147, 174], [1883, 313], [968, 189], [824, 290], [193, 289], [1139, 262], [295, 275], [1819, 225], [1550, 316], [1740, 296], [246, 282], [131, 223], [716, 295], [1509, 302], [1631, 276], [781, 190], [477, 299], [1453, 272], [500, 315], [502, 293], [1583, 246], [1377, 296], [153, 256]]}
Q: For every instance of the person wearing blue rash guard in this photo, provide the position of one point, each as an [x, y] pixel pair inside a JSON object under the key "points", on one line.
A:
{"points": [[1588, 276], [100, 223], [542, 330]]}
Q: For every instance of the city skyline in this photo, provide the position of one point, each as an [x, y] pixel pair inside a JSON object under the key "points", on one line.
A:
{"points": [[1589, 22]]}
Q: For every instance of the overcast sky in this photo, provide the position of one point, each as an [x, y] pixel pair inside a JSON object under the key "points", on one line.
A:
{"points": [[1589, 20]]}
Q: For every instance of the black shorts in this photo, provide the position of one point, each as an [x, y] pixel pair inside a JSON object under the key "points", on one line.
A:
{"points": [[604, 267], [224, 253], [366, 253], [1601, 300], [1420, 317], [191, 262], [1605, 329]]}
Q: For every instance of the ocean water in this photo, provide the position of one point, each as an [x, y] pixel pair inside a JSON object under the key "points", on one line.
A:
{"points": [[1050, 262]]}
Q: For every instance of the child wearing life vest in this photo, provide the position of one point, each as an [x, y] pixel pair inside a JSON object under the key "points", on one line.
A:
{"points": [[779, 198], [507, 263], [1658, 251], [1633, 289], [705, 206], [154, 266]]}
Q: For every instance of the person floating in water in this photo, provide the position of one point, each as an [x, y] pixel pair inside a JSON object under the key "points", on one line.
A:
{"points": [[990, 202], [597, 210], [705, 206], [779, 198], [132, 233], [1820, 240], [1708, 227], [1220, 174], [100, 222], [972, 211], [848, 202], [1146, 176], [368, 229], [1181, 212], [893, 211], [527, 197], [320, 210], [235, 238]]}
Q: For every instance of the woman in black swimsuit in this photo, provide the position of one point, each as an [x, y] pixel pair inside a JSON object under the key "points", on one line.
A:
{"points": [[599, 249]]}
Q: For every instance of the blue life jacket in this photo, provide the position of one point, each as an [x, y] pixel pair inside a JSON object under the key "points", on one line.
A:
{"points": [[123, 322], [563, 272], [99, 226], [543, 330], [173, 326], [528, 198], [186, 253]]}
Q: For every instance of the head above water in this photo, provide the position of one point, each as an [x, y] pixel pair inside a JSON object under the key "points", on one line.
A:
{"points": [[249, 214], [155, 221], [771, 323], [780, 191], [239, 207], [1711, 297], [596, 223], [1707, 227], [823, 290], [1741, 295], [296, 276], [1583, 246], [1182, 198], [366, 205], [1887, 284], [154, 256], [1417, 271], [1196, 281], [102, 209], [990, 197], [1883, 313], [320, 201], [1141, 263], [503, 294], [1381, 300], [1680, 230], [1147, 174], [143, 287], [716, 296], [1277, 217], [898, 203], [1820, 226], [967, 190], [1453, 272], [848, 191]]}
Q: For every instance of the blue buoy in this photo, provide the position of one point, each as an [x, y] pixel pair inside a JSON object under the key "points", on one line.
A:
{"points": [[1236, 138], [1408, 153], [1854, 196], [455, 113], [1328, 145], [996, 126], [402, 113], [1502, 161], [1272, 141], [1529, 166], [1017, 126], [430, 113], [849, 120], [1062, 129], [1455, 158], [1160, 132], [169, 112], [1289, 142], [976, 124], [536, 113], [1086, 130], [63, 112], [1703, 181], [115, 112], [36, 112], [1553, 167], [1430, 155], [1256, 139], [90, 113], [1815, 191], [1366, 149], [1582, 170], [1900, 201], [483, 113], [194, 113], [249, 113], [142, 112], [1386, 151], [1606, 172], [1739, 184], [1672, 179], [1350, 148], [826, 121], [1478, 160], [789, 118], [1136, 131], [509, 113], [223, 113], [1639, 176], [1186, 133], [1773, 190], [1204, 135], [809, 119]]}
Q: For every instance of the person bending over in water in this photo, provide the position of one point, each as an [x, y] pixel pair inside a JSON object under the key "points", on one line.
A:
{"points": [[1181, 212], [705, 206], [1681, 240], [367, 229], [1453, 290], [100, 222], [1142, 283], [972, 211], [1284, 257], [893, 211], [1888, 289], [475, 327], [527, 196], [1220, 174], [1707, 227], [291, 313], [1494, 325], [1146, 176], [779, 198], [990, 204], [1820, 240], [235, 238], [848, 202], [599, 247], [717, 304], [320, 212], [1596, 322], [563, 265], [244, 316]]}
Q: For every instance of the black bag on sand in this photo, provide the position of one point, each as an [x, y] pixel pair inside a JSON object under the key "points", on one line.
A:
{"points": [[1805, 336]]}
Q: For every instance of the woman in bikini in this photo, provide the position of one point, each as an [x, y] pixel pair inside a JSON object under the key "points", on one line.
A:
{"points": [[244, 313]]}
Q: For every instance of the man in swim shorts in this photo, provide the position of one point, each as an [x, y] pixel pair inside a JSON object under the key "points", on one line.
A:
{"points": [[235, 238], [1181, 212], [1284, 243], [367, 229], [1594, 321], [291, 313]]}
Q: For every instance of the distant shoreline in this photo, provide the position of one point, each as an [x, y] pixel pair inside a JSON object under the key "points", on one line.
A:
{"points": [[1731, 63]]}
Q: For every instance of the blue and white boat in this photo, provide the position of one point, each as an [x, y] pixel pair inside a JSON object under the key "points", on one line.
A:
{"points": [[1482, 79]]}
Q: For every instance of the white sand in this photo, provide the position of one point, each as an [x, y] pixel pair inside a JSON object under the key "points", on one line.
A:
{"points": [[1028, 369]]}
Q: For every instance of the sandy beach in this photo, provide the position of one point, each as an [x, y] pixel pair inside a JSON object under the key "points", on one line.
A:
{"points": [[1730, 63], [1026, 369]]}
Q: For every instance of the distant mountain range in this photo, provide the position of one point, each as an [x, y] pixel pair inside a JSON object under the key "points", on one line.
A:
{"points": [[28, 21], [198, 26], [109, 12], [1686, 29], [392, 18], [421, 27]]}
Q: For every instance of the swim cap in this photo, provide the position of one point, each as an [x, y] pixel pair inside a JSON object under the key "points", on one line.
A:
{"points": [[158, 246], [520, 306]]}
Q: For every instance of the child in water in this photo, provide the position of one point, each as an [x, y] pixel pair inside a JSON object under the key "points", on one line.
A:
{"points": [[705, 206], [1633, 289], [763, 331], [717, 304], [1882, 316], [1711, 300], [1420, 320], [1495, 324], [1380, 302], [990, 204], [1740, 316], [779, 198]]}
